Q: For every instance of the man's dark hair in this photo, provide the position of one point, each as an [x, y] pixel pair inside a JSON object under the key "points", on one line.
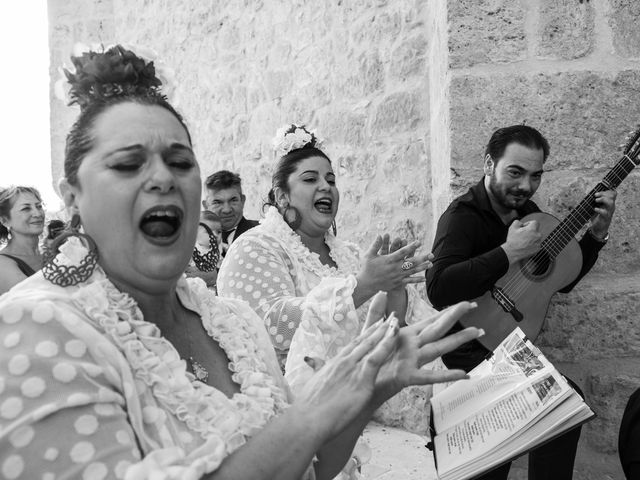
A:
{"points": [[522, 134], [223, 179]]}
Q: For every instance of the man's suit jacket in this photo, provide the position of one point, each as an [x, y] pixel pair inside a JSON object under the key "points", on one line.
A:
{"points": [[243, 225]]}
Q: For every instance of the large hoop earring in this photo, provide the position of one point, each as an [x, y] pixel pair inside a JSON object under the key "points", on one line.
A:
{"points": [[67, 275], [295, 223], [334, 228]]}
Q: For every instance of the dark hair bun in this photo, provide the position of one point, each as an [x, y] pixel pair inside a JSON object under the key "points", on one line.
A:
{"points": [[114, 72]]}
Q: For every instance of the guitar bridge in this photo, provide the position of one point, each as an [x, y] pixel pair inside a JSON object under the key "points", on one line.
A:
{"points": [[506, 303]]}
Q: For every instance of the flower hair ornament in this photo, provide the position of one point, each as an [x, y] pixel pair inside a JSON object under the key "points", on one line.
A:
{"points": [[99, 73], [293, 137], [71, 257]]}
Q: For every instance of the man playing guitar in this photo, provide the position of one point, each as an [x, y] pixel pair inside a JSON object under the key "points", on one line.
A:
{"points": [[480, 235]]}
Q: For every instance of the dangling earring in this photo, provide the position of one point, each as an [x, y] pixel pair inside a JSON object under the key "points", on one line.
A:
{"points": [[295, 223], [334, 228], [9, 236], [67, 275]]}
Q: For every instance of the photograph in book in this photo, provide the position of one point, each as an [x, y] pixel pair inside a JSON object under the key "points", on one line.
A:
{"points": [[512, 402]]}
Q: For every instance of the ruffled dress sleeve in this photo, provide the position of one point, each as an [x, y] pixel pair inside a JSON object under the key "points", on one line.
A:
{"points": [[258, 270]]}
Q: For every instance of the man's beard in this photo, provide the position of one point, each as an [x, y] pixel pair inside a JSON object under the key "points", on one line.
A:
{"points": [[503, 196]]}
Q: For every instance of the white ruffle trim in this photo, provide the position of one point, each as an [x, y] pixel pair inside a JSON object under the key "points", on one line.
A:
{"points": [[344, 254], [223, 423]]}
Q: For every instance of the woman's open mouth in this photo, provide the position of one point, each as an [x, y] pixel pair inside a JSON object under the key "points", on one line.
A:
{"points": [[324, 205], [161, 224]]}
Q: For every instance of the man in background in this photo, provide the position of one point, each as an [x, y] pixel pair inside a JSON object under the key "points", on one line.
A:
{"points": [[225, 198]]}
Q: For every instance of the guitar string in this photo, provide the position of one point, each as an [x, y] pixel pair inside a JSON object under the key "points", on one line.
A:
{"points": [[519, 283], [559, 237]]}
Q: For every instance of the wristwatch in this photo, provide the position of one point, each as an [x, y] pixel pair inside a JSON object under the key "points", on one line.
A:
{"points": [[599, 239]]}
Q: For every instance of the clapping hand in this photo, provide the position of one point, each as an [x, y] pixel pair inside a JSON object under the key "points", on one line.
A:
{"points": [[390, 265], [342, 387], [419, 344], [381, 361]]}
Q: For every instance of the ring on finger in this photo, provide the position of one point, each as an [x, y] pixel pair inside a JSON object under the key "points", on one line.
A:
{"points": [[407, 264]]}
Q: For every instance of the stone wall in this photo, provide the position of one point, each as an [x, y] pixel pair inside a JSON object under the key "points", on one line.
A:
{"points": [[354, 71], [406, 93]]}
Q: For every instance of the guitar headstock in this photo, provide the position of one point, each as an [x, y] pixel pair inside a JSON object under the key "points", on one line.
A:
{"points": [[632, 146]]}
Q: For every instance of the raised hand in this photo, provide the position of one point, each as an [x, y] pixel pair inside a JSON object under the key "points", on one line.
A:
{"points": [[390, 265], [523, 240], [419, 344], [343, 386]]}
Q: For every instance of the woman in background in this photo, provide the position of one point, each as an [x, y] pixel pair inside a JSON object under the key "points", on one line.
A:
{"points": [[310, 287], [21, 224], [205, 260]]}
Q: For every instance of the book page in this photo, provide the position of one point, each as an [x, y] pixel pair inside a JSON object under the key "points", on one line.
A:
{"points": [[514, 363], [489, 427]]}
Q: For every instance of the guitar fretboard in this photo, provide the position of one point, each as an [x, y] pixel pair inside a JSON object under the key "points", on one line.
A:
{"points": [[582, 213]]}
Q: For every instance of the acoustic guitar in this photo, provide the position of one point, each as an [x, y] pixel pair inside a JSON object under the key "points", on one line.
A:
{"points": [[521, 297]]}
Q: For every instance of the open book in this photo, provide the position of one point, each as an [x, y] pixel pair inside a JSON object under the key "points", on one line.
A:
{"points": [[512, 402]]}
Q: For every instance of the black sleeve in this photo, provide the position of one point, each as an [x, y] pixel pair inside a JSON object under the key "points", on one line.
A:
{"points": [[590, 248], [457, 274]]}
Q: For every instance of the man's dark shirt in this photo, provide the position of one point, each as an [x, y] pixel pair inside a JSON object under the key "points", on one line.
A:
{"points": [[469, 260]]}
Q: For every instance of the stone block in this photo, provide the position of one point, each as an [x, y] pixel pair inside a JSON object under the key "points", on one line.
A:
{"points": [[360, 165], [486, 31], [367, 78], [609, 391], [341, 126], [623, 20], [277, 83], [409, 409], [299, 110], [408, 58], [405, 157], [584, 115], [566, 29], [65, 10], [402, 111], [372, 29], [597, 320]]}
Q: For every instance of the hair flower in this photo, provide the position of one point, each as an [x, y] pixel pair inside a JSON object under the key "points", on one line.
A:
{"points": [[293, 137], [102, 72]]}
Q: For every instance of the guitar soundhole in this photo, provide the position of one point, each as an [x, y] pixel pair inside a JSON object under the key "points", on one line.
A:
{"points": [[538, 266]]}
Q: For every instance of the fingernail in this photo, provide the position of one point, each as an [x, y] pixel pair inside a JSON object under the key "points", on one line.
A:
{"points": [[480, 332], [309, 361], [474, 304], [393, 326]]}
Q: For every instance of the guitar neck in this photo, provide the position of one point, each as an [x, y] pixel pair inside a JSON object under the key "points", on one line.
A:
{"points": [[582, 213]]}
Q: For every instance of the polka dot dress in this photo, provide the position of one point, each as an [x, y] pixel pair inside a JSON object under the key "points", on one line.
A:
{"points": [[49, 384], [96, 397], [307, 307], [269, 268]]}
